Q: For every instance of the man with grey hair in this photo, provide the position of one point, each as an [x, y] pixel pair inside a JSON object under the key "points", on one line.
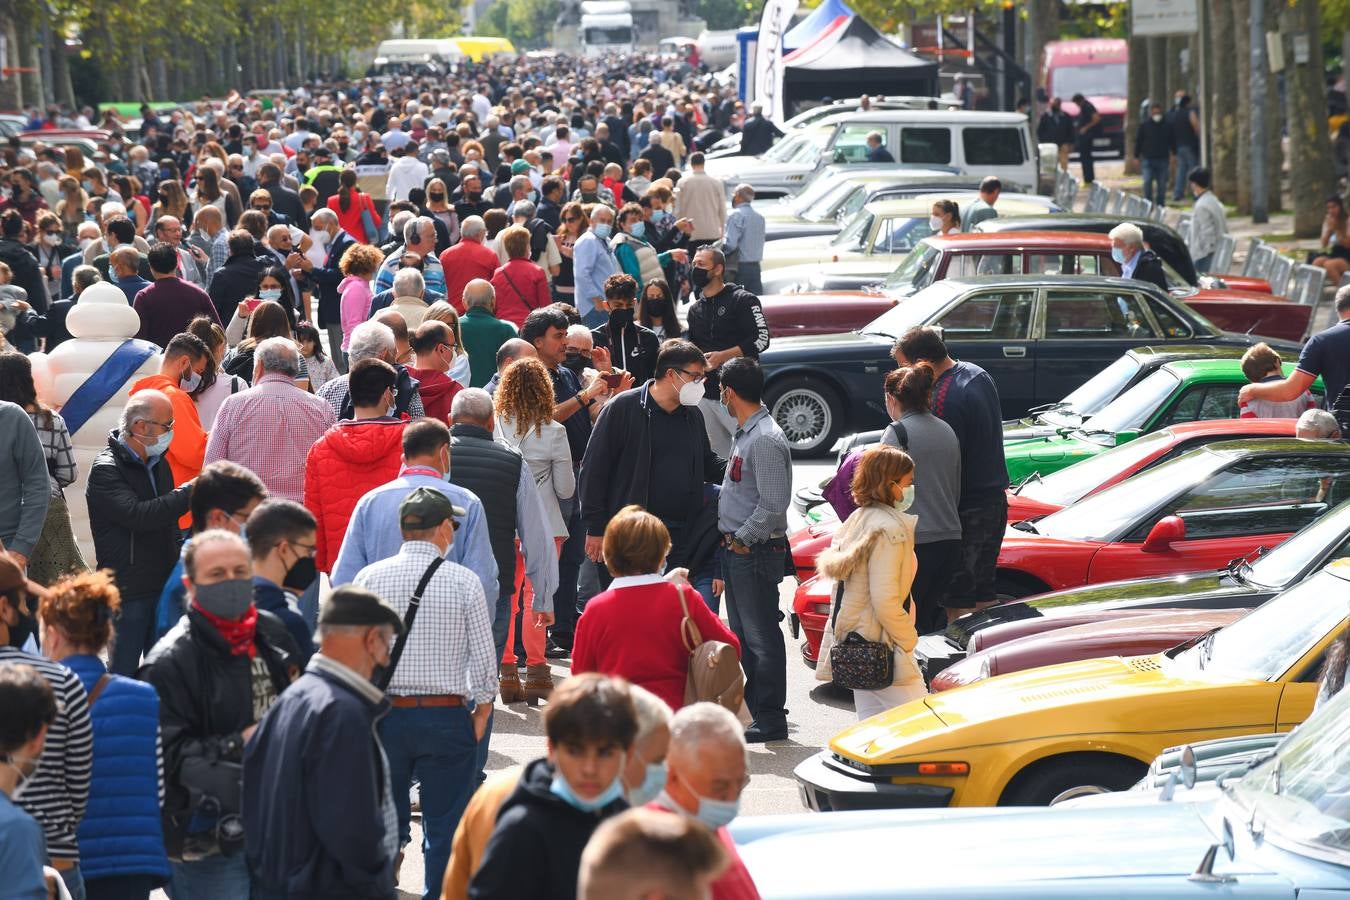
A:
{"points": [[482, 333], [409, 304], [374, 340], [707, 769], [270, 428], [210, 236], [467, 260], [1134, 259], [1317, 425], [133, 513], [744, 240], [544, 250], [326, 230], [419, 251], [86, 234], [510, 351]]}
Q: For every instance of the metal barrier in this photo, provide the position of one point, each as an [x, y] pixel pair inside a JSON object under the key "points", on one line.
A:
{"points": [[1114, 200], [1279, 272], [1249, 259], [1096, 199], [1223, 254], [1259, 261], [1306, 285], [1184, 228]]}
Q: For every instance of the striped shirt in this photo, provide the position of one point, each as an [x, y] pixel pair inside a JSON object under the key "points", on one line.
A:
{"points": [[55, 439], [57, 793], [450, 648], [758, 484]]}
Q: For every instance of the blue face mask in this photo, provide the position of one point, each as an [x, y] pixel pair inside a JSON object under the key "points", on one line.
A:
{"points": [[269, 294], [1118, 255], [534, 196], [637, 229], [561, 789], [653, 783], [660, 215], [716, 814], [602, 230], [159, 446]]}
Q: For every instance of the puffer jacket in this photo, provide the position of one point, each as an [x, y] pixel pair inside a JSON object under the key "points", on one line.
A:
{"points": [[873, 555], [350, 459]]}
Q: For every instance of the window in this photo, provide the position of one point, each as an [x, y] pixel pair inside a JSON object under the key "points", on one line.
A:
{"points": [[926, 145], [966, 264], [997, 316], [898, 234], [993, 146], [1172, 325], [1216, 401], [1062, 264], [1096, 315], [851, 145]]}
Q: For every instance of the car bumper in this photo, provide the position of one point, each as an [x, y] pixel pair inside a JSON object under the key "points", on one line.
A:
{"points": [[826, 786], [935, 652]]}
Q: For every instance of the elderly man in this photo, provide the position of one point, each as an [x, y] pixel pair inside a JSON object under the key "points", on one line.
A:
{"points": [[467, 260], [592, 262], [133, 512], [408, 299], [876, 149], [744, 241], [1317, 425], [86, 233], [124, 271], [270, 428], [419, 250], [210, 236], [510, 351], [170, 303], [281, 245], [326, 230], [192, 262], [373, 340], [642, 853], [483, 333], [702, 199], [433, 345], [1135, 261], [982, 207]]}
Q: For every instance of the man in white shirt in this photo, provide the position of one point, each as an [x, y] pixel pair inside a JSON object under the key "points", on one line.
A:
{"points": [[405, 173]]}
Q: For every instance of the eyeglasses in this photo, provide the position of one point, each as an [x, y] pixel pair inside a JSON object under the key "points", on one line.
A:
{"points": [[696, 379], [167, 426], [571, 218], [309, 549], [450, 347]]}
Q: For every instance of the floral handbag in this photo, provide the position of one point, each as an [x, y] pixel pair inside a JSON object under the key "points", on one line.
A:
{"points": [[857, 663]]}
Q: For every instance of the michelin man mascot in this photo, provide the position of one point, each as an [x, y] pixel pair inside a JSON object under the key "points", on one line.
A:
{"points": [[88, 379]]}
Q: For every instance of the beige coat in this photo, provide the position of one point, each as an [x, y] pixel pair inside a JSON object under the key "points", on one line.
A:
{"points": [[873, 554], [702, 199]]}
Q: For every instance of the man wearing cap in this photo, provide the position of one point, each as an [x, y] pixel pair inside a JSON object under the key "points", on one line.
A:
{"points": [[316, 771], [443, 686]]}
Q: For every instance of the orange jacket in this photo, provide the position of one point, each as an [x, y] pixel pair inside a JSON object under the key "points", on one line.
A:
{"points": [[349, 460], [187, 450]]}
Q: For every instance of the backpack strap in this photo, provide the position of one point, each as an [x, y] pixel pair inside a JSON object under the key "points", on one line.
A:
{"points": [[98, 688], [901, 434], [409, 617]]}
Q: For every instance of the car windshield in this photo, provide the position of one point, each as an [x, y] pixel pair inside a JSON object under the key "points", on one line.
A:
{"points": [[1105, 514], [800, 204], [916, 270], [1302, 793], [1093, 395], [799, 148], [1266, 642], [1072, 484], [855, 232], [1287, 561], [853, 202], [917, 310], [1096, 80], [1132, 409]]}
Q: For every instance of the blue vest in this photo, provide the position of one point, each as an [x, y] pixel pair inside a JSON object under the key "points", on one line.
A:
{"points": [[121, 832]]}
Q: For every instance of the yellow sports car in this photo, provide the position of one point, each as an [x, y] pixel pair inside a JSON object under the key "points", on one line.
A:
{"points": [[1031, 737]]}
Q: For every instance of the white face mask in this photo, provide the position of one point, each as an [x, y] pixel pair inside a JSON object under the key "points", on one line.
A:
{"points": [[319, 237], [86, 243], [935, 223], [691, 392], [906, 498], [1158, 118]]}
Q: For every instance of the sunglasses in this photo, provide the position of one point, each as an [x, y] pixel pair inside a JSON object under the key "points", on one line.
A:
{"points": [[571, 218]]}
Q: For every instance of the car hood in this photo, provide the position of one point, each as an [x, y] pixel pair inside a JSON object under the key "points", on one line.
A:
{"points": [[807, 248], [817, 348], [743, 167], [1051, 451], [781, 229], [1021, 852]]}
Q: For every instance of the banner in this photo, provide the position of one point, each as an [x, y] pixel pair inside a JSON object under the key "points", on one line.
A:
{"points": [[773, 23], [1155, 18]]}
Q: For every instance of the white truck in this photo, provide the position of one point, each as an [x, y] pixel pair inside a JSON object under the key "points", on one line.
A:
{"points": [[607, 27]]}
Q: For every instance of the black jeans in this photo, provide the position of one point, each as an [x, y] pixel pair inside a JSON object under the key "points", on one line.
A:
{"points": [[1085, 159], [569, 566], [982, 529]]}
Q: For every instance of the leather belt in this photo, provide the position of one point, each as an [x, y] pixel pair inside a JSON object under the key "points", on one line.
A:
{"points": [[62, 865], [432, 701]]}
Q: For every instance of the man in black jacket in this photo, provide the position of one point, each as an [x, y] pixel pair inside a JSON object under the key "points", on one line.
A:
{"points": [[1127, 249], [216, 674], [284, 200], [660, 157], [650, 447], [758, 133], [133, 513], [1153, 146], [1055, 127], [328, 277], [238, 278], [631, 347], [726, 321], [315, 771]]}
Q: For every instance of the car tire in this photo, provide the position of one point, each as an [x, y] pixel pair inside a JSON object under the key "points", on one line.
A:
{"points": [[809, 412], [1010, 586], [1073, 775]]}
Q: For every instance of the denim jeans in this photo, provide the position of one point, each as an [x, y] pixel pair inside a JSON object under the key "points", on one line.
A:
{"points": [[213, 878], [133, 634], [74, 882], [1187, 159], [436, 746], [752, 610], [595, 318], [1155, 180]]}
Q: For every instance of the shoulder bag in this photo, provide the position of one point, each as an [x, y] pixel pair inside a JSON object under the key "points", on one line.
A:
{"points": [[368, 223], [857, 663], [408, 618], [714, 671]]}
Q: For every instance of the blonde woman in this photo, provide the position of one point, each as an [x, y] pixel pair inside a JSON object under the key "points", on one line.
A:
{"points": [[71, 206], [872, 554]]}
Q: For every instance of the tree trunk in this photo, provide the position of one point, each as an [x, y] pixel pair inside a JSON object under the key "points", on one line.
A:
{"points": [[1276, 107], [1159, 90], [1223, 101], [32, 58], [1241, 55], [1306, 100], [65, 88], [1138, 88]]}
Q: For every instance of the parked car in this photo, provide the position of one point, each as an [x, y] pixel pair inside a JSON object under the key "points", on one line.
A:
{"points": [[839, 192], [731, 144], [1030, 737], [1278, 831], [1016, 253], [1244, 582], [880, 231], [1038, 337]]}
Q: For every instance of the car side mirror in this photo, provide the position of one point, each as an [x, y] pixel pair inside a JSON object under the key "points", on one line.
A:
{"points": [[1188, 766], [1167, 531]]}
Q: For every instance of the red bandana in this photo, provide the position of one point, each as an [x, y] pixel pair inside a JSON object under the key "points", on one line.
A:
{"points": [[238, 633]]}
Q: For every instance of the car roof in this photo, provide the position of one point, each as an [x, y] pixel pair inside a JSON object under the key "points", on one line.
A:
{"points": [[1094, 281], [907, 205], [1276, 446], [1274, 427], [1049, 240], [1069, 221], [973, 116], [1171, 352]]}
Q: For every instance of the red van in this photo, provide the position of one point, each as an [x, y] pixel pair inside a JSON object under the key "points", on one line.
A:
{"points": [[1098, 69]]}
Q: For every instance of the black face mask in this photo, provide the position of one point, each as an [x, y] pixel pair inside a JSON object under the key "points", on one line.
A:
{"points": [[619, 319], [21, 631], [590, 198], [300, 575], [436, 196], [699, 278], [575, 361]]}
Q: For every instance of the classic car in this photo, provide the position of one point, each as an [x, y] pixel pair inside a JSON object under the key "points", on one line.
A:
{"points": [[1274, 833], [879, 233], [1025, 253], [1030, 737], [1243, 583], [1039, 337], [840, 191], [1187, 390]]}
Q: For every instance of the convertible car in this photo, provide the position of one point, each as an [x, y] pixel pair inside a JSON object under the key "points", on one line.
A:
{"points": [[1037, 336], [839, 192], [1277, 832], [1030, 737]]}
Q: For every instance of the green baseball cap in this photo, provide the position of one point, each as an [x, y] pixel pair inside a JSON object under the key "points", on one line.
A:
{"points": [[426, 508], [519, 166]]}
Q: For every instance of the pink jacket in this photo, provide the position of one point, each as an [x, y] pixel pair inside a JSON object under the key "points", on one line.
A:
{"points": [[356, 300]]}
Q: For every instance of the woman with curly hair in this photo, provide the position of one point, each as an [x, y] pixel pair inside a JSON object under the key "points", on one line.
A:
{"points": [[524, 404], [121, 844]]}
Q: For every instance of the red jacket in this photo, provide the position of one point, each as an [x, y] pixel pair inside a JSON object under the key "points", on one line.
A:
{"points": [[521, 287], [463, 263], [349, 460], [733, 884], [437, 390], [351, 219], [634, 632]]}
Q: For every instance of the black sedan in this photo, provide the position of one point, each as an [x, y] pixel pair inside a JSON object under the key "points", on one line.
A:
{"points": [[1039, 337]]}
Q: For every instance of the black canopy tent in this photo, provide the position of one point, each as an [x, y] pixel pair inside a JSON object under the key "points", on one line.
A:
{"points": [[852, 58]]}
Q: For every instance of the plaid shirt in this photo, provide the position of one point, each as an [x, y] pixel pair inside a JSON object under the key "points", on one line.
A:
{"points": [[55, 439], [450, 648], [269, 429]]}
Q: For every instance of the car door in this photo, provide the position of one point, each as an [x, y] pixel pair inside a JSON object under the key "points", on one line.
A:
{"points": [[1200, 402], [992, 329], [895, 235], [1252, 502], [1085, 330]]}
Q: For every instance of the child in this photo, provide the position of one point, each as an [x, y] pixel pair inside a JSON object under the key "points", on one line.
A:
{"points": [[1261, 364], [321, 368], [535, 850]]}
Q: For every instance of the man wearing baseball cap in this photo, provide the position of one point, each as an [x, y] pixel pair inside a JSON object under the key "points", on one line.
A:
{"points": [[315, 770], [443, 686]]}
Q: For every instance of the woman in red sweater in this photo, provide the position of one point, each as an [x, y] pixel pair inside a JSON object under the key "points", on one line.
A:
{"points": [[633, 629], [521, 286], [350, 203]]}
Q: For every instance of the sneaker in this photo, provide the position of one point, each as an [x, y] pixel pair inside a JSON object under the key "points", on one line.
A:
{"points": [[762, 734], [554, 651]]}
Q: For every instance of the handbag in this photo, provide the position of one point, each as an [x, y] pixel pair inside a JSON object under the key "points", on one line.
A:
{"points": [[715, 673], [368, 226], [857, 663], [415, 601]]}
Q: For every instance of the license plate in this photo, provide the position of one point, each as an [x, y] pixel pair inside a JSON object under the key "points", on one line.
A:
{"points": [[1101, 142]]}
